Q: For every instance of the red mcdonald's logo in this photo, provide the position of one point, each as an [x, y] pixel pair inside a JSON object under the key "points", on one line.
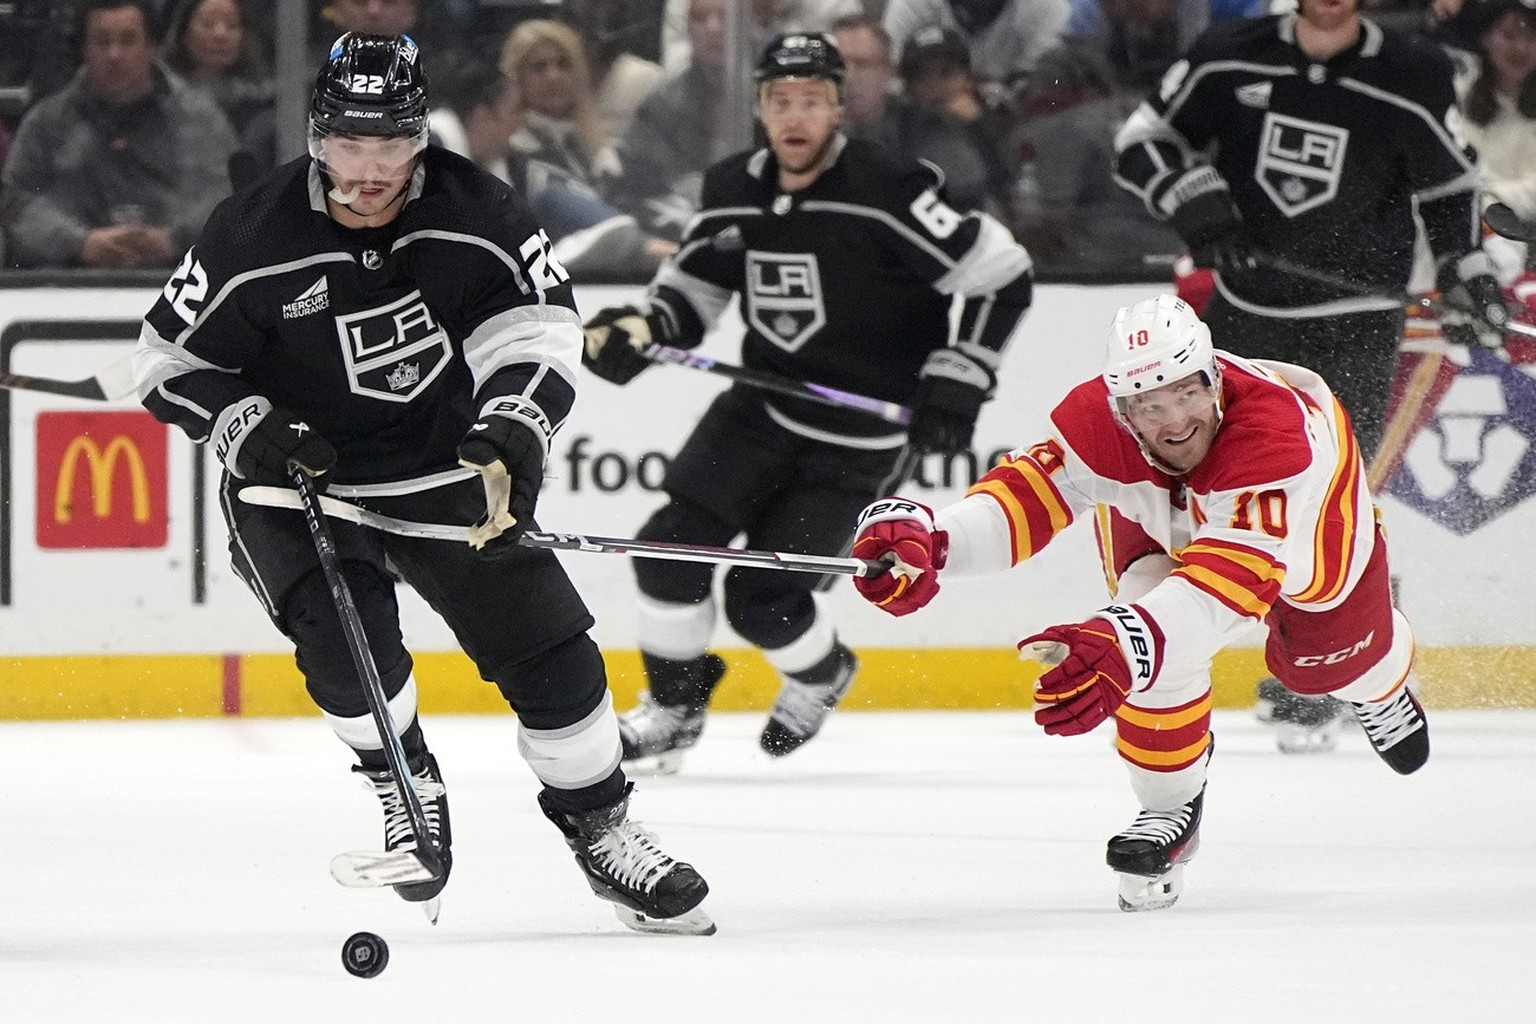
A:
{"points": [[101, 480]]}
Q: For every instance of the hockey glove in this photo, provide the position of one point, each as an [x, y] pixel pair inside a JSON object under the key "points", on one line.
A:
{"points": [[1089, 679], [1473, 310], [900, 532], [509, 456], [615, 340], [257, 440], [951, 388], [1201, 210]]}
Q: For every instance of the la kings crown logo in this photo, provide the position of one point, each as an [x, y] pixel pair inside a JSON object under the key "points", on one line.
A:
{"points": [[784, 297], [1300, 162], [393, 352]]}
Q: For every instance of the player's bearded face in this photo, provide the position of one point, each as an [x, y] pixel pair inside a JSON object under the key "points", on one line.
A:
{"points": [[377, 169], [801, 117], [1177, 422]]}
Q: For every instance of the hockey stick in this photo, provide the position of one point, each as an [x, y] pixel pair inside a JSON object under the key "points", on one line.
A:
{"points": [[1502, 220], [891, 412], [282, 497], [113, 382], [367, 869], [1431, 306]]}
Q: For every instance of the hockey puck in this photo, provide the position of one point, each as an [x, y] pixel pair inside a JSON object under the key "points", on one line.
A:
{"points": [[365, 955]]}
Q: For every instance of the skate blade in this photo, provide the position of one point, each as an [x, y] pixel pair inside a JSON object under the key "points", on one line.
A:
{"points": [[370, 869], [1139, 893], [432, 908], [694, 922], [651, 765]]}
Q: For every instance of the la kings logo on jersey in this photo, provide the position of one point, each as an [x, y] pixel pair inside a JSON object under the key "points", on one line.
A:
{"points": [[394, 352], [1300, 162], [784, 297]]}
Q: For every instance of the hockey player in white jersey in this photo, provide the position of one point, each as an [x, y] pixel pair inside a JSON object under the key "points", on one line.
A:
{"points": [[1242, 493]]}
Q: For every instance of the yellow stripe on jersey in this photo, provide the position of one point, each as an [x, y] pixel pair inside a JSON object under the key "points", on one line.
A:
{"points": [[1225, 589], [1165, 720], [1333, 542], [1031, 502]]}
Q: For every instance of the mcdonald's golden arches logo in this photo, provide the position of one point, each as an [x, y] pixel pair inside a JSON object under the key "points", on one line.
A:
{"points": [[101, 480]]}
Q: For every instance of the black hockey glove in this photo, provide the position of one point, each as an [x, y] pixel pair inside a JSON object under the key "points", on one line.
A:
{"points": [[1473, 312], [256, 440], [951, 388], [615, 339], [1206, 218], [508, 453]]}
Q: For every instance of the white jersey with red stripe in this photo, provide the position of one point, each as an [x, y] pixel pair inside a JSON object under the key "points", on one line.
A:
{"points": [[1277, 511]]}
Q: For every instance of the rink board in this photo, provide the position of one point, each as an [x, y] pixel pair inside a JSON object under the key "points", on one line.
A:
{"points": [[116, 597]]}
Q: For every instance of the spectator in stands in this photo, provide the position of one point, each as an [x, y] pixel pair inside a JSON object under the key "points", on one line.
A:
{"points": [[477, 113], [874, 112], [937, 79], [121, 168], [1006, 37], [678, 131], [1188, 19], [210, 44], [1499, 99], [767, 17], [561, 127], [1074, 218], [621, 78]]}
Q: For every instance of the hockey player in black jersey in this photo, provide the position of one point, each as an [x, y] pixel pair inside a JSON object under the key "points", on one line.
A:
{"points": [[1309, 140], [389, 318], [846, 262]]}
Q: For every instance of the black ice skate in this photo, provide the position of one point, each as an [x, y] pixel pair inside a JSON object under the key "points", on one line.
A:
{"points": [[649, 891], [1397, 729], [1303, 724], [428, 783], [654, 734], [1150, 855], [803, 705]]}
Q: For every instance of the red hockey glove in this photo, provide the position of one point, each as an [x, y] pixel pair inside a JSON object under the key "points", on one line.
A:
{"points": [[902, 532], [1089, 681]]}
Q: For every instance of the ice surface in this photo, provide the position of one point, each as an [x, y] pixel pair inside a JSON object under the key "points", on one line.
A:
{"points": [[903, 867]]}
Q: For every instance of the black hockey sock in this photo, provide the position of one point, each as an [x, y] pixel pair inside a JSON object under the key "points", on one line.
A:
{"points": [[826, 670], [578, 801], [412, 741], [686, 684]]}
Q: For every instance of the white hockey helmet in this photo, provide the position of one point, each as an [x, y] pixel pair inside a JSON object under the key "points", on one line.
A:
{"points": [[1155, 342]]}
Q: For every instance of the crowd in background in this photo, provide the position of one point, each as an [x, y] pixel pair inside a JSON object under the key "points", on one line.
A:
{"points": [[122, 122]]}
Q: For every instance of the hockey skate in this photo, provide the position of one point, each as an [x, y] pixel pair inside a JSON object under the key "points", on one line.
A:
{"points": [[654, 735], [802, 707], [1150, 855], [428, 783], [1302, 724], [1397, 729], [650, 891]]}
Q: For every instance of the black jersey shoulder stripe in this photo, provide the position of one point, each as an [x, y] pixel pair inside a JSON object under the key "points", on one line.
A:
{"points": [[885, 217], [229, 287], [1436, 126], [1217, 67], [466, 238]]}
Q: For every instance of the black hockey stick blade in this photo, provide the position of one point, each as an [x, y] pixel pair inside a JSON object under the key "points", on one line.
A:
{"points": [[1502, 220], [113, 383]]}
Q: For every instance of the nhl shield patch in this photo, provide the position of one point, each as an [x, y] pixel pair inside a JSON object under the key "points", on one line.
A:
{"points": [[394, 352], [784, 299], [1300, 162]]}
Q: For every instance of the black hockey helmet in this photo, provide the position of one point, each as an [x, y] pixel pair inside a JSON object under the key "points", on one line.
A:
{"points": [[370, 85], [800, 55]]}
